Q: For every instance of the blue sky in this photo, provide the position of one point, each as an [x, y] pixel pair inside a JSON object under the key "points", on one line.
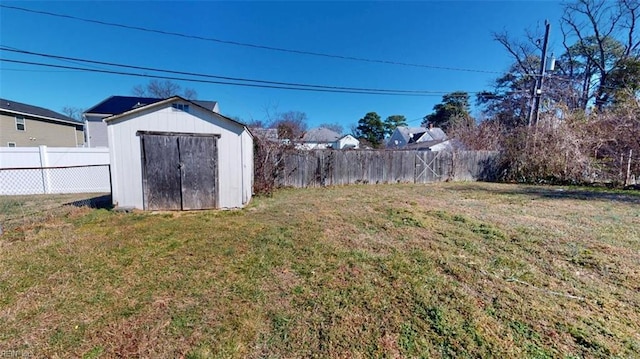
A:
{"points": [[452, 34]]}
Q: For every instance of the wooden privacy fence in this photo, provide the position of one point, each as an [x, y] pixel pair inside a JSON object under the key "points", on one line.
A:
{"points": [[335, 167]]}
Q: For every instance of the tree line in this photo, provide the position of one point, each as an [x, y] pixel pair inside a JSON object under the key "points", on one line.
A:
{"points": [[589, 127]]}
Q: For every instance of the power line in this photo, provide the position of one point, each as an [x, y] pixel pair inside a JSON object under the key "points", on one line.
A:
{"points": [[244, 44], [47, 71], [67, 60], [75, 60], [211, 81], [416, 119], [285, 84]]}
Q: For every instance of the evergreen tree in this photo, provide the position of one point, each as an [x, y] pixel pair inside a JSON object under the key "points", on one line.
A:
{"points": [[454, 109], [392, 122], [371, 129]]}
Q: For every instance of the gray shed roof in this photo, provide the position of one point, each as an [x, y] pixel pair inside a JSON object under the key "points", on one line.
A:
{"points": [[26, 109]]}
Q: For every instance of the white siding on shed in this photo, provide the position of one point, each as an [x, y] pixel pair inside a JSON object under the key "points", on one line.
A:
{"points": [[247, 166], [235, 151]]}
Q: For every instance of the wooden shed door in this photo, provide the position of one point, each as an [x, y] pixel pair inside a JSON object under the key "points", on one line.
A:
{"points": [[161, 172], [198, 156], [179, 172]]}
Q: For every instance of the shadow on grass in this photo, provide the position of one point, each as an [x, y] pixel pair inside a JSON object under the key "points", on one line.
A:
{"points": [[100, 202], [550, 192]]}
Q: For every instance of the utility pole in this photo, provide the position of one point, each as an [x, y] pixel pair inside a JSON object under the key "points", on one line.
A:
{"points": [[537, 87]]}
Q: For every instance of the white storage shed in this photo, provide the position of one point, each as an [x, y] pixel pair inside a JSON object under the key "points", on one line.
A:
{"points": [[177, 155]]}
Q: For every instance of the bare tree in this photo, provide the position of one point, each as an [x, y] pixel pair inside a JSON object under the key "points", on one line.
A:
{"points": [[511, 98], [487, 135], [335, 127], [600, 65], [521, 51], [190, 94], [600, 38], [257, 124], [163, 89], [270, 113], [607, 35], [73, 112], [291, 124]]}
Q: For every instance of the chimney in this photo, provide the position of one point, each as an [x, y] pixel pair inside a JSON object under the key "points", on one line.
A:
{"points": [[430, 125]]}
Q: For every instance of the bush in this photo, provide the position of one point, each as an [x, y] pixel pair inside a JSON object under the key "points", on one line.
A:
{"points": [[564, 147], [267, 157]]}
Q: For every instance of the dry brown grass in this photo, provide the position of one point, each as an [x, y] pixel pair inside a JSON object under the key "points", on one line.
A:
{"points": [[443, 270]]}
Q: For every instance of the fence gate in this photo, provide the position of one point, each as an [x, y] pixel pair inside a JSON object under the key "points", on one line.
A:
{"points": [[423, 168], [179, 171]]}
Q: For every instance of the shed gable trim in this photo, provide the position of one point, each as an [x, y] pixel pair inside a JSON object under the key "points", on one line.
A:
{"points": [[166, 102], [187, 134]]}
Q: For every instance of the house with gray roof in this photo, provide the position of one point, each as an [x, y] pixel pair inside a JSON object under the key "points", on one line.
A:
{"points": [[405, 137], [265, 134], [323, 138], [25, 125], [96, 129]]}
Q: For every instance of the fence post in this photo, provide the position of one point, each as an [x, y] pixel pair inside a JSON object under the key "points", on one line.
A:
{"points": [[46, 176], [628, 176], [110, 181]]}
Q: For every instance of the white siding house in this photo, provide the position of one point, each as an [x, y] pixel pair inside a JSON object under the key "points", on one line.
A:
{"points": [[347, 142], [323, 138], [403, 136], [95, 131], [317, 139], [223, 149]]}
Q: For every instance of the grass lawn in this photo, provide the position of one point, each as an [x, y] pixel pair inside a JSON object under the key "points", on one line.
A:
{"points": [[464, 270]]}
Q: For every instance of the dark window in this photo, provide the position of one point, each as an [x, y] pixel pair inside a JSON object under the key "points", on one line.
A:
{"points": [[181, 107], [11, 144], [20, 125]]}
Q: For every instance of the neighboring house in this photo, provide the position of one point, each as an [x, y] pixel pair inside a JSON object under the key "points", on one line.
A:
{"points": [[317, 139], [403, 136], [265, 134], [446, 145], [435, 145], [23, 125], [347, 142], [430, 134], [323, 138], [175, 154], [96, 129]]}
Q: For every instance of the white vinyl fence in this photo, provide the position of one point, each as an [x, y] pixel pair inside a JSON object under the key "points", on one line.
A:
{"points": [[44, 170]]}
